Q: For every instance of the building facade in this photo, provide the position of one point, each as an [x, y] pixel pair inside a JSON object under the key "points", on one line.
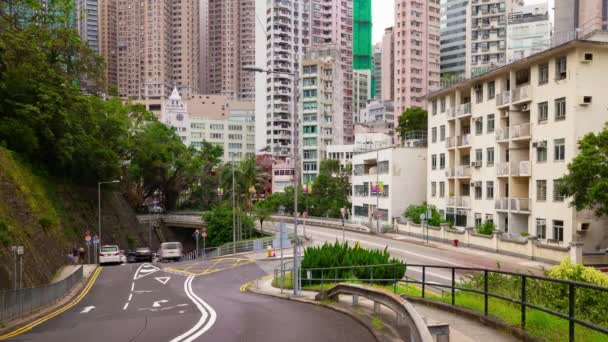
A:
{"points": [[87, 22], [229, 45], [322, 109], [282, 175], [387, 77], [455, 38], [416, 51], [576, 18], [362, 38], [528, 31], [376, 111], [362, 90], [498, 144], [377, 74]]}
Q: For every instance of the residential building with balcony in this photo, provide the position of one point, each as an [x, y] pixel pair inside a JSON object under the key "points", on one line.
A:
{"points": [[455, 38], [386, 180], [362, 89], [375, 111], [282, 175], [499, 142], [528, 31]]}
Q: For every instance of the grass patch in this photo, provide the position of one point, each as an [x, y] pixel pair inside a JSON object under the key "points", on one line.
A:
{"points": [[377, 323]]}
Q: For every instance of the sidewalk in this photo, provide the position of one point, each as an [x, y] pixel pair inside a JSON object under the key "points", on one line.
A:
{"points": [[461, 328]]}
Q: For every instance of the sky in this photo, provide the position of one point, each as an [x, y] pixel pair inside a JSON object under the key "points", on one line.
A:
{"points": [[383, 16]]}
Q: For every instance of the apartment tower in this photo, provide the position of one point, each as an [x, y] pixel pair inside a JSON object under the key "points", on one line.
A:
{"points": [[416, 52], [387, 76], [230, 45], [362, 38], [377, 73], [455, 21], [576, 18]]}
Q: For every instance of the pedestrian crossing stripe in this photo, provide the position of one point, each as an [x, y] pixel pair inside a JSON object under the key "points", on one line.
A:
{"points": [[144, 270]]}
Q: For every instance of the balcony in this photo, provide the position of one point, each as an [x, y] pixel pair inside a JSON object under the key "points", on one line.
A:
{"points": [[502, 170], [520, 205], [450, 113], [450, 142], [459, 201], [503, 99], [501, 204], [450, 173], [463, 171], [520, 132], [521, 94], [520, 168], [502, 135], [463, 110], [463, 140]]}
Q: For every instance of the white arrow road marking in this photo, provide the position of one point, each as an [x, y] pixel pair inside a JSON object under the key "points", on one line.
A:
{"points": [[142, 291], [181, 311], [157, 303], [173, 307], [206, 312], [144, 270], [87, 309], [163, 280]]}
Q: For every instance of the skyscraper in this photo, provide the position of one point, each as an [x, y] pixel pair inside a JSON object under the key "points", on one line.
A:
{"points": [[528, 31], [387, 77], [108, 41], [416, 52], [377, 73], [579, 17], [362, 37], [87, 22], [229, 44], [455, 21]]}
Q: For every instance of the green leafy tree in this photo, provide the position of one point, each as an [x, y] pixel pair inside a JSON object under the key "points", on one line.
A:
{"points": [[587, 179], [413, 119], [262, 211], [330, 190], [413, 213]]}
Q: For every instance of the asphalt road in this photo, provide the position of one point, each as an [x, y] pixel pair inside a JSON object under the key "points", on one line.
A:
{"points": [[182, 302]]}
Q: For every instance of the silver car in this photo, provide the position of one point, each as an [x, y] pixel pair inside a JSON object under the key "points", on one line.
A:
{"points": [[170, 251]]}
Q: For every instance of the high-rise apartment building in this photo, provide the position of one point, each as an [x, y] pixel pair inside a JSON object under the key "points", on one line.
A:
{"points": [[87, 22], [576, 18], [322, 109], [362, 89], [158, 48], [377, 73], [416, 52], [499, 142], [528, 31], [387, 77], [229, 44], [455, 37], [108, 41], [362, 37]]}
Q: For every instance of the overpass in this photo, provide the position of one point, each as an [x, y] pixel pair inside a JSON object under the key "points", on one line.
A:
{"points": [[192, 220]]}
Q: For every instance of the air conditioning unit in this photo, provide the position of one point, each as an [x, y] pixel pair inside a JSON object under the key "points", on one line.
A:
{"points": [[478, 119], [582, 226], [525, 107], [505, 114], [586, 57], [539, 144], [477, 164], [585, 100]]}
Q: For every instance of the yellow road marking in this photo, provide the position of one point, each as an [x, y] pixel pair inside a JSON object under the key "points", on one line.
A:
{"points": [[236, 262], [57, 312], [245, 286]]}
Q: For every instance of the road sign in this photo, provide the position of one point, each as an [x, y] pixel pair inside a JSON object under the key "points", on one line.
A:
{"points": [[87, 233], [422, 217], [204, 229], [87, 238], [20, 250], [95, 240], [204, 234]]}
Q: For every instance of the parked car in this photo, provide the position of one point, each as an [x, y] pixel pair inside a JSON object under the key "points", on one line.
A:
{"points": [[131, 257], [109, 254], [123, 257], [144, 254], [156, 210], [170, 251]]}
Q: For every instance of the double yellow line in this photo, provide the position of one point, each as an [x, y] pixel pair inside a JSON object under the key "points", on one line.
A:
{"points": [[58, 311]]}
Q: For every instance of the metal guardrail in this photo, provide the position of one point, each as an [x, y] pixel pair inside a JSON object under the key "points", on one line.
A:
{"points": [[524, 291], [417, 330], [18, 303]]}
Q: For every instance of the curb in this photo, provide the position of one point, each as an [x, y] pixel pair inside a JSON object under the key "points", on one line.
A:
{"points": [[357, 318], [42, 312]]}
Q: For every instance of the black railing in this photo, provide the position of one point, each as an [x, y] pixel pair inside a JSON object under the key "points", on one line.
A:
{"points": [[577, 303]]}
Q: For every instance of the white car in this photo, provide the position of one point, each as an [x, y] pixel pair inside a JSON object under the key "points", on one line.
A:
{"points": [[109, 254], [170, 251]]}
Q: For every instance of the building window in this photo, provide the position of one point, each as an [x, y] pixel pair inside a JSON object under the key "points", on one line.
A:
{"points": [[543, 74], [479, 155], [479, 93], [541, 190], [433, 189], [442, 133], [543, 112], [434, 134], [434, 162], [478, 191], [560, 149], [541, 154], [434, 107], [558, 193], [491, 90], [442, 105], [383, 167], [561, 68], [477, 220], [441, 189], [560, 109], [490, 123], [478, 126], [541, 228], [558, 230], [442, 161], [490, 155], [490, 218], [489, 189]]}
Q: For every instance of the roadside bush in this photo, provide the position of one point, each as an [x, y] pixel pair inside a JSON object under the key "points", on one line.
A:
{"points": [[413, 213], [486, 228], [343, 255]]}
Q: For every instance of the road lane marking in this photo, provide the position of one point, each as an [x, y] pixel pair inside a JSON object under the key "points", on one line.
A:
{"points": [[132, 286], [39, 321], [87, 309], [126, 306], [145, 270], [206, 312], [130, 296], [158, 302], [163, 280], [245, 286]]}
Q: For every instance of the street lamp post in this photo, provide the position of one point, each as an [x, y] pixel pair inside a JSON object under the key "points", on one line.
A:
{"points": [[99, 205], [295, 141], [233, 207]]}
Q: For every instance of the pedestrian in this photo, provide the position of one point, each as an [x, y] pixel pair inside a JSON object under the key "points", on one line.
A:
{"points": [[81, 254]]}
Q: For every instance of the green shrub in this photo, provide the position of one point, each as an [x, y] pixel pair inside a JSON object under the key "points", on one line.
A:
{"points": [[486, 228], [413, 213], [342, 255]]}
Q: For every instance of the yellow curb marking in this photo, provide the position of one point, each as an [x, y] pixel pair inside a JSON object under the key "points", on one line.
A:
{"points": [[57, 312]]}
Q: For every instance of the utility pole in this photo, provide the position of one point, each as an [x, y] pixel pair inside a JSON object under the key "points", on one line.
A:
{"points": [[377, 191], [296, 181], [233, 207]]}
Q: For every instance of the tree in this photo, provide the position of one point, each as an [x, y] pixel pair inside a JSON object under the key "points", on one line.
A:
{"points": [[413, 119], [587, 179], [262, 211], [219, 221], [330, 189]]}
